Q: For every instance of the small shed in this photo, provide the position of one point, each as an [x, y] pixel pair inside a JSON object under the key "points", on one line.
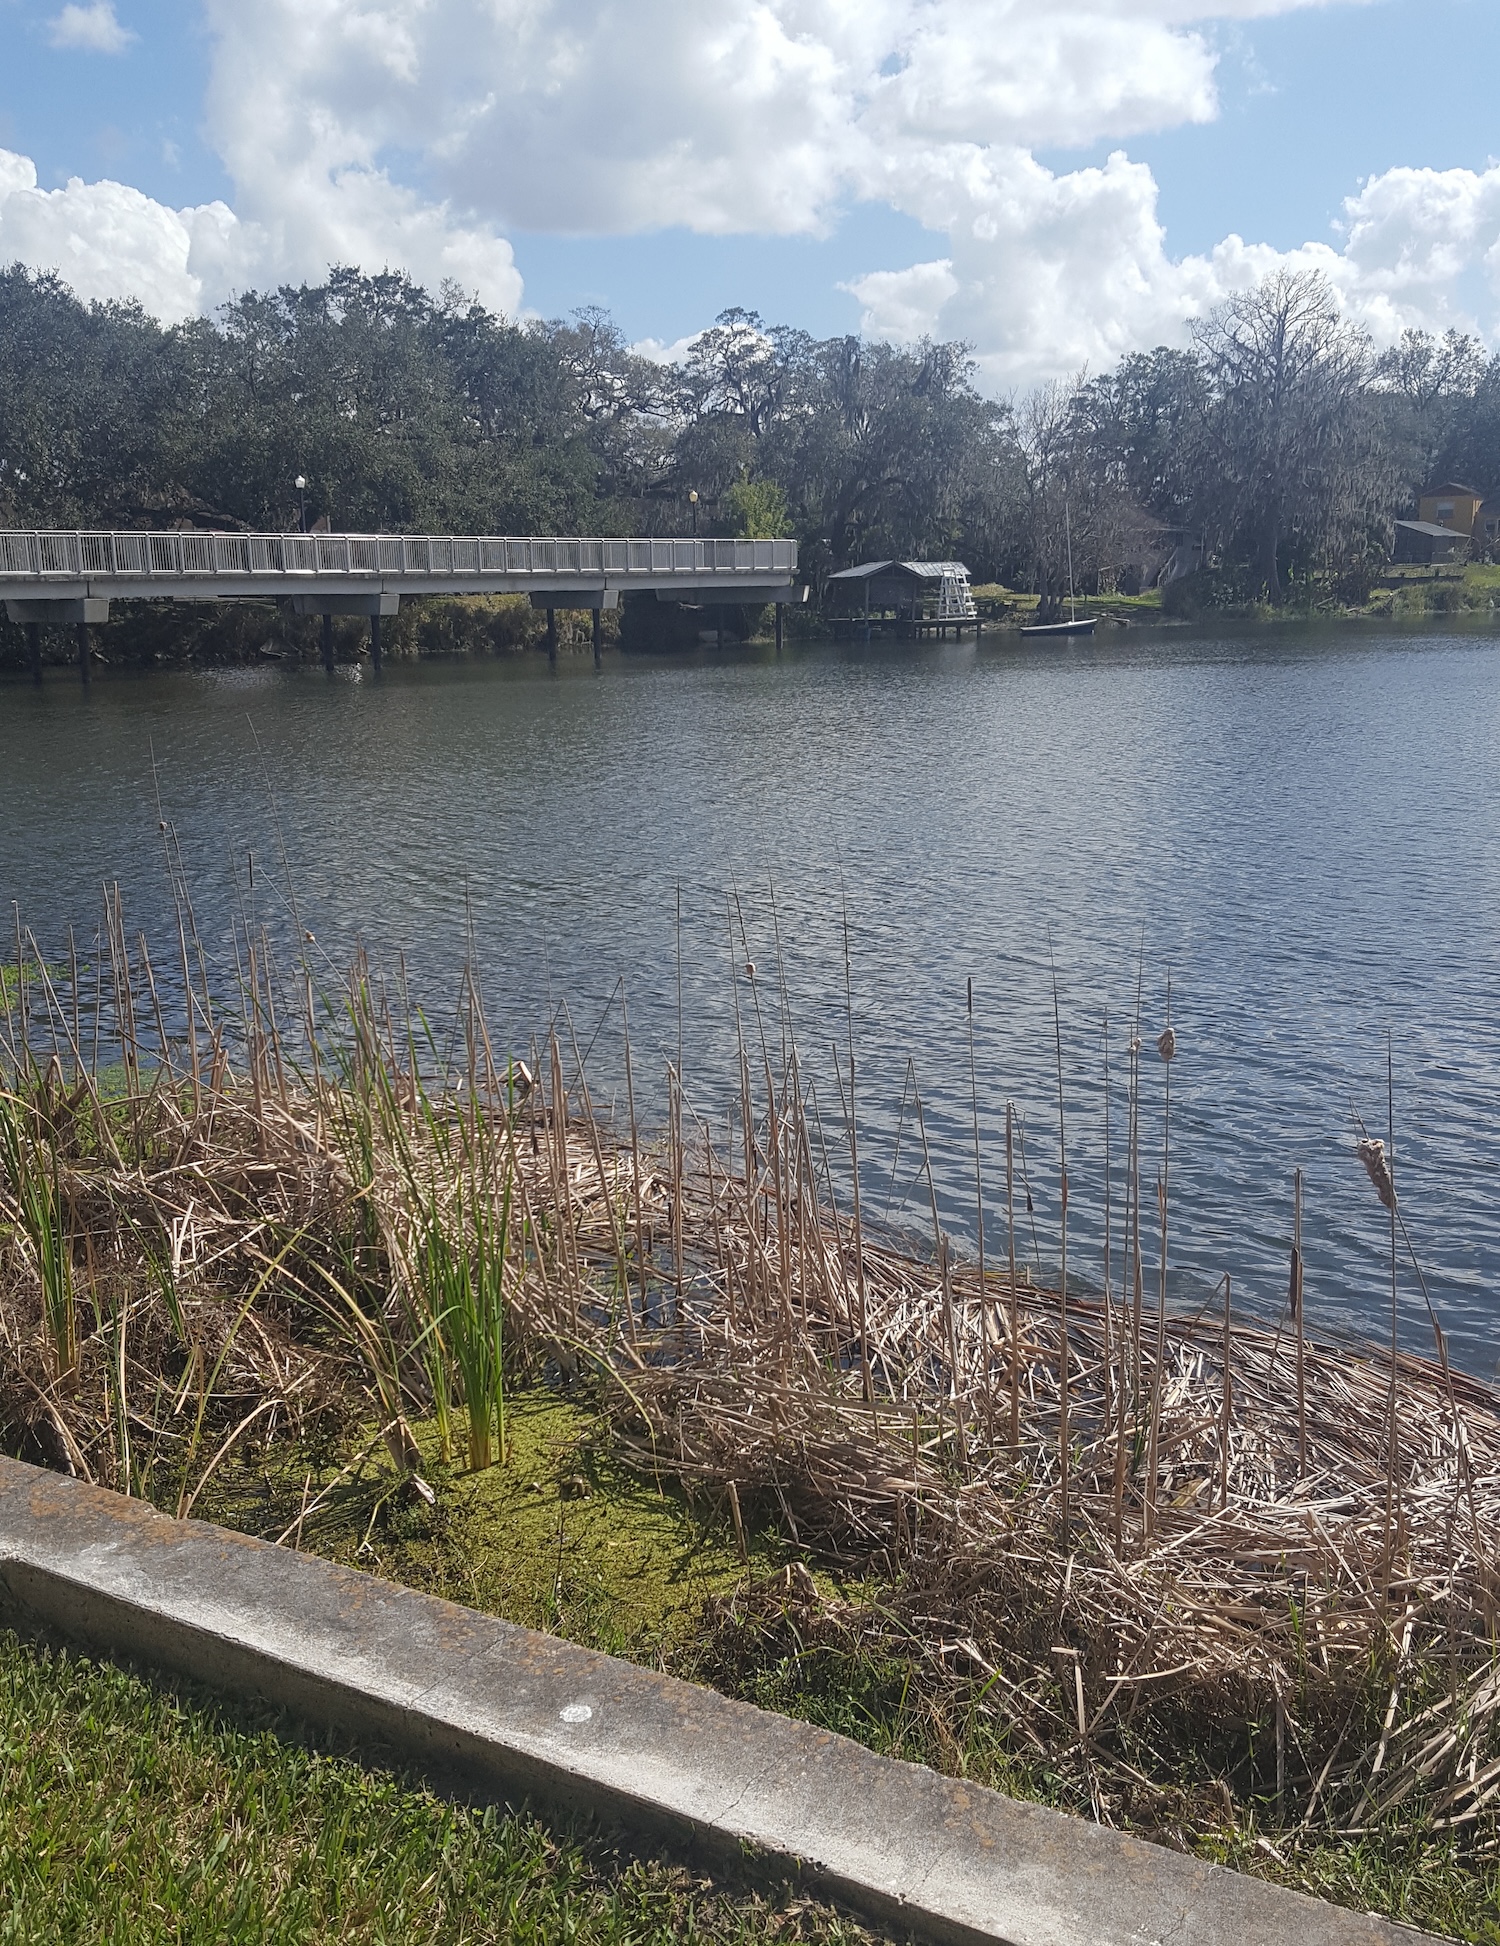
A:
{"points": [[902, 595], [1426, 544]]}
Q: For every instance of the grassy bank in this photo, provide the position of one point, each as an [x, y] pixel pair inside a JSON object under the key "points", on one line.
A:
{"points": [[1400, 593], [1003, 607], [361, 1281], [135, 1809]]}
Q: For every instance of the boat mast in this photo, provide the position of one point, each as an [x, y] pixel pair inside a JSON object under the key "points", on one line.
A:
{"points": [[1068, 529]]}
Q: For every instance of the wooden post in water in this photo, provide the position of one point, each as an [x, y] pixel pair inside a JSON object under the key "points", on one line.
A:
{"points": [[375, 640], [34, 645], [598, 614], [779, 613], [552, 635], [84, 646], [328, 642]]}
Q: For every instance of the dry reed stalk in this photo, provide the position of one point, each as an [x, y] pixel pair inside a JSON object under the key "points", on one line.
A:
{"points": [[1064, 1377], [1107, 1403], [1295, 1295], [1228, 1413], [209, 1251], [866, 1376], [1166, 1047], [988, 1365], [635, 1165], [1014, 1350]]}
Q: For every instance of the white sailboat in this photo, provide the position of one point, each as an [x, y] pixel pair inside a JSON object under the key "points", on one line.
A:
{"points": [[1073, 626]]}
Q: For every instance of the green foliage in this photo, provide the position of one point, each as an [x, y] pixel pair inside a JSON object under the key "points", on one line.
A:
{"points": [[1278, 439], [1211, 590], [758, 509]]}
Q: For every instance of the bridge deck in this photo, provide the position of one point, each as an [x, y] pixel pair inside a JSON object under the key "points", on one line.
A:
{"points": [[208, 567]]}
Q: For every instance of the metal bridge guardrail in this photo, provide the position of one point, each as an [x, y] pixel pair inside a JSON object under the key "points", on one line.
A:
{"points": [[183, 555]]}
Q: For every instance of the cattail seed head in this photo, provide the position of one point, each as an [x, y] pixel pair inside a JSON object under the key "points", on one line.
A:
{"points": [[1166, 1046], [1371, 1152]]}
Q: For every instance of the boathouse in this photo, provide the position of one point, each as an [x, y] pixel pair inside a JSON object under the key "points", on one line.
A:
{"points": [[1427, 544], [903, 597]]}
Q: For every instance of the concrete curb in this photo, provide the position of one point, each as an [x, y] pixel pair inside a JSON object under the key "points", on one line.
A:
{"points": [[514, 1713]]}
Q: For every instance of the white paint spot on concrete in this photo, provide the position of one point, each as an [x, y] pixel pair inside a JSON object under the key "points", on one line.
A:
{"points": [[576, 1713]]}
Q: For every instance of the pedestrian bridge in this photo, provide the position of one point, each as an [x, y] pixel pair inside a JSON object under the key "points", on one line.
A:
{"points": [[50, 578], [185, 566]]}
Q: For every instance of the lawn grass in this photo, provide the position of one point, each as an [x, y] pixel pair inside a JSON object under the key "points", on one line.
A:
{"points": [[142, 1811]]}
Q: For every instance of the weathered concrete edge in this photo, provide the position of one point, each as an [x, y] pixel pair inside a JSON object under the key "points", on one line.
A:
{"points": [[461, 1694]]}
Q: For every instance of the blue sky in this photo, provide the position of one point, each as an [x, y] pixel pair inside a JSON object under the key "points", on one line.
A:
{"points": [[437, 136], [1316, 101]]}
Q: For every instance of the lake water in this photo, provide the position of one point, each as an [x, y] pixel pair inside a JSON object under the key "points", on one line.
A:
{"points": [[1300, 826]]}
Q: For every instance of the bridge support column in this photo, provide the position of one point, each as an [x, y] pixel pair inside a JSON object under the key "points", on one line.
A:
{"points": [[598, 620], [779, 606], [719, 627], [596, 599], [83, 611], [372, 607]]}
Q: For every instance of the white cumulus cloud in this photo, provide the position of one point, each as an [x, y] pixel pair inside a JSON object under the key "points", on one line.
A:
{"points": [[1048, 273], [107, 240], [425, 133], [94, 29]]}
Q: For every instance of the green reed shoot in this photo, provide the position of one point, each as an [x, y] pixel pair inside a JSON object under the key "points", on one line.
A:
{"points": [[31, 1166], [456, 1237]]}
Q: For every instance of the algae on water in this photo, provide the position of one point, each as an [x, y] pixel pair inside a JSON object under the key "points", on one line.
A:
{"points": [[562, 1536]]}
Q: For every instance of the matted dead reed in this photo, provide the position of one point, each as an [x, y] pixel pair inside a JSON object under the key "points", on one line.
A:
{"points": [[1114, 1532]]}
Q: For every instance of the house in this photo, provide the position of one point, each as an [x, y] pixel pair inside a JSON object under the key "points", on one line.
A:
{"points": [[1426, 544], [1450, 505], [1144, 552], [901, 595]]}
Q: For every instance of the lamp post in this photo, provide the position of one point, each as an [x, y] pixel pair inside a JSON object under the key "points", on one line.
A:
{"points": [[300, 483], [693, 503]]}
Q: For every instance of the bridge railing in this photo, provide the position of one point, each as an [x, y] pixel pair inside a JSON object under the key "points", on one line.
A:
{"points": [[180, 555]]}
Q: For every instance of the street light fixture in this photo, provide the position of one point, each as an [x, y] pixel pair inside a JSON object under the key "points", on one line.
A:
{"points": [[300, 483], [693, 503]]}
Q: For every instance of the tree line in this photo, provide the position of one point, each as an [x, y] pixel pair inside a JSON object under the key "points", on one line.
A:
{"points": [[1278, 439]]}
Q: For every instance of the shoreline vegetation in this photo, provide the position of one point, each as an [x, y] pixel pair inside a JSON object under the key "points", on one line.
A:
{"points": [[484, 626], [1276, 451], [319, 1264]]}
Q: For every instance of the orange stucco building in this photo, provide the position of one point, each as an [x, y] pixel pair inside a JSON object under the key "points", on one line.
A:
{"points": [[1451, 505]]}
